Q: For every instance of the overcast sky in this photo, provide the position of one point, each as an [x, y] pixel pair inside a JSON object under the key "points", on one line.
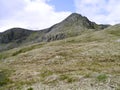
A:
{"points": [[40, 14]]}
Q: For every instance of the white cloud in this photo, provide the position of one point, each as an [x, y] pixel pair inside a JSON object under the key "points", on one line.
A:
{"points": [[34, 14], [100, 11]]}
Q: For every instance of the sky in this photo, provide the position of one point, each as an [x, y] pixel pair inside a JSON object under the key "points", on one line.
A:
{"points": [[40, 14]]}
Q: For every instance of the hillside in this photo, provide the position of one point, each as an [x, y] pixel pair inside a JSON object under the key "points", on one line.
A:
{"points": [[73, 25], [89, 61]]}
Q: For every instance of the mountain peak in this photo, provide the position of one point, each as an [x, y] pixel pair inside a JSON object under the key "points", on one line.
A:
{"points": [[80, 20], [75, 14]]}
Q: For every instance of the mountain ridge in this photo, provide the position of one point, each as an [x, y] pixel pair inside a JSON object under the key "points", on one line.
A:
{"points": [[73, 25]]}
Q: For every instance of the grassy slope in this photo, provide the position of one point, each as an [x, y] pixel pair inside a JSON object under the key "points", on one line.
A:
{"points": [[90, 61]]}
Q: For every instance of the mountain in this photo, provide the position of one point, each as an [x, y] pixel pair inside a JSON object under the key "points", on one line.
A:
{"points": [[73, 25]]}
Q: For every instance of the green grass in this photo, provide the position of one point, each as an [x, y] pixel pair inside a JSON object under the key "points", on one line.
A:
{"points": [[67, 78], [2, 56], [14, 52], [30, 88], [102, 77], [114, 30], [46, 73], [25, 49], [4, 80]]}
